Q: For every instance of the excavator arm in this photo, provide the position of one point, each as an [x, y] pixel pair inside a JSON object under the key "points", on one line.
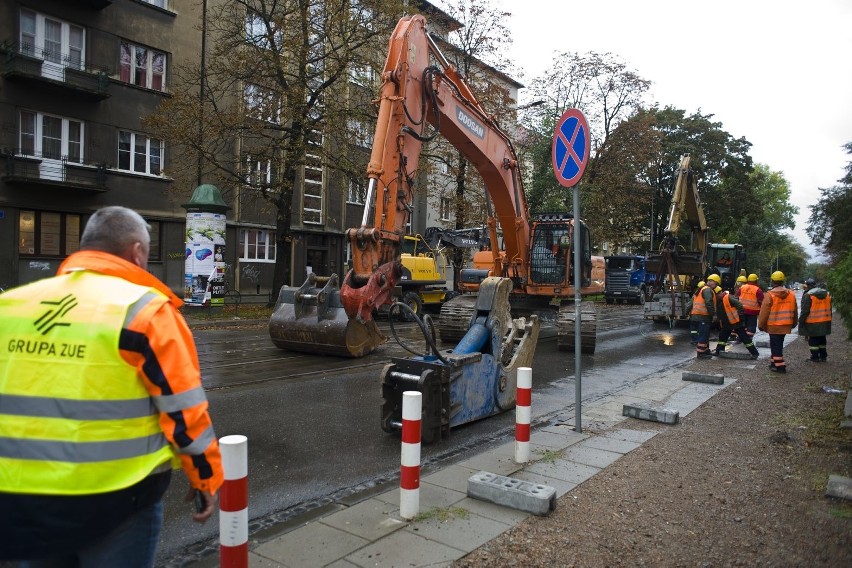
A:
{"points": [[685, 200], [415, 93]]}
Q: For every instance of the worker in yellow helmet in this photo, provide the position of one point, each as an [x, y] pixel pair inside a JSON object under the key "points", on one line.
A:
{"points": [[703, 311], [778, 316], [751, 297], [693, 324]]}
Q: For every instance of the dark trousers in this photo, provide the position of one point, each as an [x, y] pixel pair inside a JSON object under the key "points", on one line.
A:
{"points": [[776, 348], [702, 346], [725, 334], [750, 323], [693, 331], [817, 344]]}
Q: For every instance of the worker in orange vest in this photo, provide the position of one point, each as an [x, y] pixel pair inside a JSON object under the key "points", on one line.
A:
{"points": [[703, 312], [730, 312], [815, 319], [751, 297], [693, 324], [778, 316]]}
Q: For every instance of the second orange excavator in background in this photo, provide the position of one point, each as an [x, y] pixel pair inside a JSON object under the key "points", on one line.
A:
{"points": [[526, 269]]}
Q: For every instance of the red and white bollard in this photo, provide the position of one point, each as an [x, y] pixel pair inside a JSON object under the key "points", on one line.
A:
{"points": [[523, 415], [409, 478], [233, 503]]}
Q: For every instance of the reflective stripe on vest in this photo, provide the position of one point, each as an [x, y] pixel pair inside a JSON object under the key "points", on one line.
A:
{"points": [[699, 306], [820, 310], [748, 297], [75, 418], [731, 312], [783, 310]]}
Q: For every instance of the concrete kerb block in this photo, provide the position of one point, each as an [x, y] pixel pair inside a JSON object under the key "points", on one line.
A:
{"points": [[734, 355], [840, 487], [518, 494], [652, 413], [709, 378]]}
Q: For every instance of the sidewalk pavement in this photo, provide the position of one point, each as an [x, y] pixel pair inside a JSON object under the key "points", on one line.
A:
{"points": [[366, 529]]}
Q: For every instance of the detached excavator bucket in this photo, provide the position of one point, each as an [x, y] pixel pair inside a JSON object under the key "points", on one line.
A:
{"points": [[311, 319]]}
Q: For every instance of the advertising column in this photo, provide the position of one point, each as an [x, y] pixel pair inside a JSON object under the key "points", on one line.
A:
{"points": [[205, 267]]}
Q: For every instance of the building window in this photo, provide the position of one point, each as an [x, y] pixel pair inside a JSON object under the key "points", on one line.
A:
{"points": [[260, 173], [258, 30], [361, 134], [262, 104], [362, 75], [357, 192], [154, 251], [158, 3], [56, 42], [257, 245], [313, 180], [139, 154], [50, 137], [45, 233], [445, 208], [143, 67]]}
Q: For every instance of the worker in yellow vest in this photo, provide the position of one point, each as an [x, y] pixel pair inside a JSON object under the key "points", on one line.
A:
{"points": [[778, 316], [100, 397], [815, 319]]}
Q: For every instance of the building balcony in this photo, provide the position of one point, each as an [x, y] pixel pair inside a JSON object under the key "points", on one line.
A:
{"points": [[64, 73], [56, 172]]}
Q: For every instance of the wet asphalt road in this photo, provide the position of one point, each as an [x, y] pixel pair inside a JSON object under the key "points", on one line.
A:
{"points": [[312, 422]]}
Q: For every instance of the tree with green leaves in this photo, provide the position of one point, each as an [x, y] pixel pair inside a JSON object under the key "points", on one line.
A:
{"points": [[830, 222], [272, 101]]}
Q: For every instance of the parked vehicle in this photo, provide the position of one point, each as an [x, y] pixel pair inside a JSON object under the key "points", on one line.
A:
{"points": [[626, 279]]}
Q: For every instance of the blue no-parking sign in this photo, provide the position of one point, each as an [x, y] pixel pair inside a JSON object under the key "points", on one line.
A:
{"points": [[570, 147]]}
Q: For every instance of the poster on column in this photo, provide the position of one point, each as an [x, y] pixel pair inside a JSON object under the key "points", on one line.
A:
{"points": [[204, 268]]}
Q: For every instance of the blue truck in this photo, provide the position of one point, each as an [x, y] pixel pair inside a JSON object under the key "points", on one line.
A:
{"points": [[626, 279]]}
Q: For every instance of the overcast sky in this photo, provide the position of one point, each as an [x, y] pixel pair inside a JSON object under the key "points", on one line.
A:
{"points": [[777, 72]]}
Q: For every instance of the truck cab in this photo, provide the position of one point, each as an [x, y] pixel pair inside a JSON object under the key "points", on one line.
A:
{"points": [[626, 279]]}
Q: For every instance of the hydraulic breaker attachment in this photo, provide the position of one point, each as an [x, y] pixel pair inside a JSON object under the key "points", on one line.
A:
{"points": [[476, 379], [311, 319]]}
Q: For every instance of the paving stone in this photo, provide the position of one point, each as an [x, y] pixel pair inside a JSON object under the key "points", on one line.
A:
{"points": [[500, 460], [505, 515], [431, 496], [315, 544], [840, 487], [638, 436], [655, 414], [518, 494], [565, 470], [402, 549], [611, 444], [453, 477], [710, 378], [466, 531], [588, 455], [371, 519]]}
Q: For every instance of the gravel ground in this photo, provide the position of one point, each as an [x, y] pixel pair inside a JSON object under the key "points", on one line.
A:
{"points": [[739, 482]]}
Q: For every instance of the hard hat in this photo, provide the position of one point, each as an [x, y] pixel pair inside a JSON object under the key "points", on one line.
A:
{"points": [[741, 278], [716, 278], [777, 276], [810, 282], [700, 284], [752, 278]]}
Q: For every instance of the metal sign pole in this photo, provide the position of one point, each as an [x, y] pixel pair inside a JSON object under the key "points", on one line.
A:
{"points": [[578, 367]]}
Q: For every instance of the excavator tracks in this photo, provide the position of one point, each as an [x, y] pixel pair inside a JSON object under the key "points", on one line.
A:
{"points": [[454, 320], [565, 327]]}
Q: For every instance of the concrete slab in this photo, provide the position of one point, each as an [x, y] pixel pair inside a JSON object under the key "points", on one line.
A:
{"points": [[562, 487], [370, 519], [652, 413], [535, 498], [256, 561], [342, 563], [466, 533], [840, 487], [629, 435], [404, 548], [499, 460], [565, 470], [735, 355], [588, 455], [553, 440], [611, 444], [710, 378], [505, 515], [567, 431], [431, 496], [453, 477], [315, 544]]}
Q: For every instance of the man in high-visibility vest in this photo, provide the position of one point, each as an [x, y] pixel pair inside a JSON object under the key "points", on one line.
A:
{"points": [[693, 324], [100, 397], [751, 297], [703, 311], [730, 314], [815, 319], [778, 316]]}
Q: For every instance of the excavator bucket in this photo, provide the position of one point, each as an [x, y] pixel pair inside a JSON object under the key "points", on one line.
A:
{"points": [[311, 319]]}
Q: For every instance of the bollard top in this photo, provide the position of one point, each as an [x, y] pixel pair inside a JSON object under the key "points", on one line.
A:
{"points": [[232, 440]]}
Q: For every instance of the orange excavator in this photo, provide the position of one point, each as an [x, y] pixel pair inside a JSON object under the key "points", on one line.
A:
{"points": [[535, 255]]}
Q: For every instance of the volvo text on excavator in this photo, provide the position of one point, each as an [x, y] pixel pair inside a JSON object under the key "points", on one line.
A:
{"points": [[527, 267]]}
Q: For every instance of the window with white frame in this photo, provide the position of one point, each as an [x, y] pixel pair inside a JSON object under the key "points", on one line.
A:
{"points": [[258, 31], [139, 154], [262, 104], [260, 172], [313, 180], [357, 192], [257, 245], [362, 75], [361, 134], [445, 208], [159, 3], [52, 39], [142, 66], [50, 137]]}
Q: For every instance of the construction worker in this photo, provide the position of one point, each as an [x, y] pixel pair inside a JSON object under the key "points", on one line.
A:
{"points": [[740, 281], [751, 297], [815, 319], [703, 311], [100, 398], [731, 320], [693, 324], [778, 316]]}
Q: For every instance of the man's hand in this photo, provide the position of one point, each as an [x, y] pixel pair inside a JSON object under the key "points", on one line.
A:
{"points": [[209, 501]]}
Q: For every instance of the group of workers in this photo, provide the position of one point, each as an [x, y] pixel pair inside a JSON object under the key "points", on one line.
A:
{"points": [[748, 308]]}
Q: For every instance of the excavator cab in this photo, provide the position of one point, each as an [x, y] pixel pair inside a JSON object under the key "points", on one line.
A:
{"points": [[552, 252]]}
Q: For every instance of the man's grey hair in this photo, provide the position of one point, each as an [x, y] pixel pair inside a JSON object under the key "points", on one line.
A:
{"points": [[114, 230]]}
